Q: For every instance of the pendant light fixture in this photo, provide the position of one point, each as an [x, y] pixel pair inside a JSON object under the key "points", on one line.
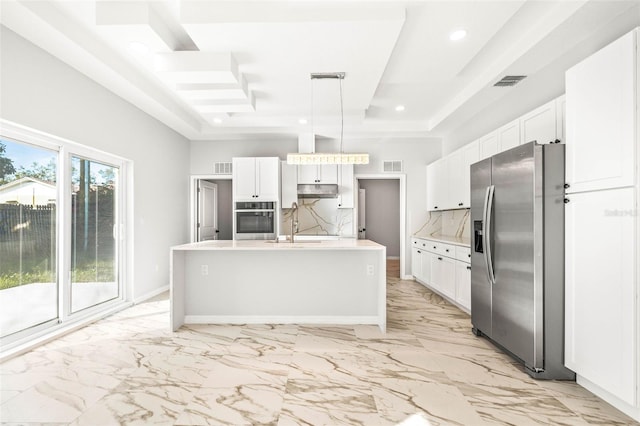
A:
{"points": [[329, 157]]}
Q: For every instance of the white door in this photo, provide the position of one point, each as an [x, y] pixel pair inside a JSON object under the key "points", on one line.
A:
{"points": [[361, 215], [207, 211]]}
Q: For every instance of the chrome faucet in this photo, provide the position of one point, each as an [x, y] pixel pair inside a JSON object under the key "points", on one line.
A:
{"points": [[294, 220]]}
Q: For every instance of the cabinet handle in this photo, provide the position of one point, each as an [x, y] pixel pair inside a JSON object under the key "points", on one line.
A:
{"points": [[469, 256], [566, 200], [567, 186], [447, 250], [434, 247], [424, 245], [556, 141], [439, 258], [435, 207], [469, 267], [419, 251], [460, 204]]}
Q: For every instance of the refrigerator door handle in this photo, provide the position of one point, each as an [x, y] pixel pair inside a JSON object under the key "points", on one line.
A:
{"points": [[487, 217]]}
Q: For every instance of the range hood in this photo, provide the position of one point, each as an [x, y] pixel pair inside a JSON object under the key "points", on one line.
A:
{"points": [[316, 190]]}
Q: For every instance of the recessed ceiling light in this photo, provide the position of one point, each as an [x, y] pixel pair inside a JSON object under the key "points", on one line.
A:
{"points": [[217, 120], [457, 35], [400, 108], [303, 121]]}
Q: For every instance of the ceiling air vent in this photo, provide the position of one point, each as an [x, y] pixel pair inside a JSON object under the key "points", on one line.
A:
{"points": [[222, 168], [392, 166], [510, 80]]}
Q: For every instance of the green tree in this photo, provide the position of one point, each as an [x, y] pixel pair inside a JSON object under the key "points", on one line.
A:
{"points": [[6, 165], [46, 172]]}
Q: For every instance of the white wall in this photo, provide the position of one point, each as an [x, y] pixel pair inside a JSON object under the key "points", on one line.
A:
{"points": [[415, 154], [43, 93]]}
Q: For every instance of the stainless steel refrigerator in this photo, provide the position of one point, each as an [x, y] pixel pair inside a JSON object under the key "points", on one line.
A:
{"points": [[517, 256]]}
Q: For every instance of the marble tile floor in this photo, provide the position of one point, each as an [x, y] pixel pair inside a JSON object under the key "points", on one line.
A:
{"points": [[129, 369]]}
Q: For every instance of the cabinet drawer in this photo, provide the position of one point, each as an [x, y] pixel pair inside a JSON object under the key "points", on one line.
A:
{"points": [[441, 248], [463, 254]]}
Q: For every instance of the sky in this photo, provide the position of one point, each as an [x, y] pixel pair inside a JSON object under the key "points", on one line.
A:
{"points": [[25, 155]]}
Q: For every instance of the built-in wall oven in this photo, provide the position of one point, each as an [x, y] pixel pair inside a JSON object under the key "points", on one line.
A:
{"points": [[255, 220]]}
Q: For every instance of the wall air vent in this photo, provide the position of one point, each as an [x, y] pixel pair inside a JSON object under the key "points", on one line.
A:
{"points": [[392, 166], [510, 80], [222, 168]]}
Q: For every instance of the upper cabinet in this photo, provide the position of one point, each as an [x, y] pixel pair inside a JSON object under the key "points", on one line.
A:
{"points": [[324, 173], [600, 117], [448, 177], [508, 136], [438, 185], [539, 125], [488, 145], [256, 178], [470, 155]]}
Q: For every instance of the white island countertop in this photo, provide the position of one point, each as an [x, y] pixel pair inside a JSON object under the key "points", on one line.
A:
{"points": [[334, 244]]}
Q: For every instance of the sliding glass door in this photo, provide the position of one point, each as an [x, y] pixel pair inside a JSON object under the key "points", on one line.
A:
{"points": [[94, 215], [61, 239], [28, 199]]}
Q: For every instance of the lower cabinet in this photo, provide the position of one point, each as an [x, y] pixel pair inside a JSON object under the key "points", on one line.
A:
{"points": [[463, 284], [443, 268], [443, 275]]}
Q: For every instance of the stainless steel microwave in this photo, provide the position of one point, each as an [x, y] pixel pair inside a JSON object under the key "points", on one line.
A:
{"points": [[255, 220]]}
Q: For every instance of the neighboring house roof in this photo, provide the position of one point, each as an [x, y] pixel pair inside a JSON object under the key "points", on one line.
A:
{"points": [[26, 179], [28, 190]]}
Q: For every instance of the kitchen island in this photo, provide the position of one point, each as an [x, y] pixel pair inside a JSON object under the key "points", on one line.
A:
{"points": [[264, 282]]}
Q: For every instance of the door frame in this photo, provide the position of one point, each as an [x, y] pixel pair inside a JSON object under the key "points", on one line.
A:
{"points": [[193, 201], [402, 178]]}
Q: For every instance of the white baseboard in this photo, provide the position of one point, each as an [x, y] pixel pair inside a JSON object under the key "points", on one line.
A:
{"points": [[279, 319], [629, 410], [151, 294]]}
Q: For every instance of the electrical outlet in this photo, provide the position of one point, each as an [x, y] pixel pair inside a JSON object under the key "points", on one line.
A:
{"points": [[204, 269], [369, 269]]}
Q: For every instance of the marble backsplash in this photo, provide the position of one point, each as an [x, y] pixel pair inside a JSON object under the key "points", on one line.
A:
{"points": [[451, 223], [319, 216]]}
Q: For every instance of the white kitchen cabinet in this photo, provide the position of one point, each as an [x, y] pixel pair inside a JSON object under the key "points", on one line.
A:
{"points": [[470, 155], [488, 145], [346, 194], [601, 101], [256, 178], [509, 135], [438, 185], [539, 125], [320, 173], [443, 275], [561, 118], [289, 183], [600, 289], [454, 180], [438, 265], [463, 284], [602, 224]]}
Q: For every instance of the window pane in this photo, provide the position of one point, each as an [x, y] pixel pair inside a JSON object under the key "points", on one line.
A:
{"points": [[93, 245], [28, 193]]}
